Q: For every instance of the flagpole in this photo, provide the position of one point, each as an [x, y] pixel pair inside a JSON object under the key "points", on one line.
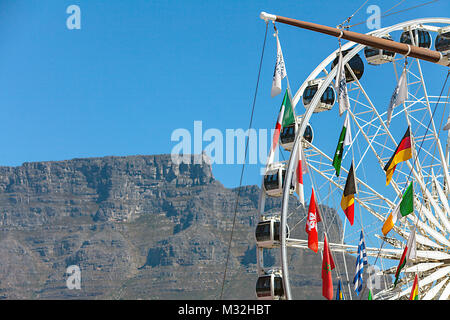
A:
{"points": [[368, 40]]}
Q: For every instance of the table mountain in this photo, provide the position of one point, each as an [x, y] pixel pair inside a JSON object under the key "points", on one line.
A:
{"points": [[138, 227]]}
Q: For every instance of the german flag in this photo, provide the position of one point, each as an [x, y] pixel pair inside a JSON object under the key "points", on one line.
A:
{"points": [[402, 153], [348, 198]]}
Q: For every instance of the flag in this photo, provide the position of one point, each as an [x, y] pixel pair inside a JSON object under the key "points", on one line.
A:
{"points": [[341, 87], [361, 261], [348, 198], [339, 292], [279, 72], [408, 253], [299, 175], [311, 224], [285, 118], [327, 266], [345, 138], [415, 290], [369, 297], [405, 207], [399, 96], [402, 153], [447, 126]]}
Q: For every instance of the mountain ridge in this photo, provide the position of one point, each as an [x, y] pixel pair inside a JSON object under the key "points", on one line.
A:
{"points": [[138, 227]]}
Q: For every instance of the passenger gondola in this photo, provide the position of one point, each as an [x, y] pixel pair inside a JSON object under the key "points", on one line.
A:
{"points": [[274, 180], [356, 65], [442, 42], [267, 233], [375, 56], [270, 286], [288, 134], [421, 37], [326, 101]]}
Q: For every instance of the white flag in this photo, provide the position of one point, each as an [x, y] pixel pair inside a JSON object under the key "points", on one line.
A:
{"points": [[348, 131], [299, 175], [341, 87], [280, 71], [399, 96], [411, 245], [447, 126]]}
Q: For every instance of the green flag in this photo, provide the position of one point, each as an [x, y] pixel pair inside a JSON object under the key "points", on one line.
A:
{"points": [[288, 115], [407, 204], [345, 139]]}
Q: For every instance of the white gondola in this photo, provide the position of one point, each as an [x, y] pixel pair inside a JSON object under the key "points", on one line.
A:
{"points": [[270, 286], [288, 134], [326, 101], [274, 180], [267, 232], [375, 56], [421, 36], [356, 65], [442, 42]]}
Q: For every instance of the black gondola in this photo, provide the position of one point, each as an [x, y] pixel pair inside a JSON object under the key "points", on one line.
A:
{"points": [[377, 56], [326, 101], [355, 63], [270, 287], [288, 134], [274, 180], [442, 43], [421, 37]]}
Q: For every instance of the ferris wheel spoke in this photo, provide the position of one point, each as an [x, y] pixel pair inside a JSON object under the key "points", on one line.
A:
{"points": [[437, 141], [341, 187], [442, 197], [445, 293], [423, 267], [435, 290], [442, 272]]}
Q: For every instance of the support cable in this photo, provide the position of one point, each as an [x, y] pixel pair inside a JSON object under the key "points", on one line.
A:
{"points": [[243, 166]]}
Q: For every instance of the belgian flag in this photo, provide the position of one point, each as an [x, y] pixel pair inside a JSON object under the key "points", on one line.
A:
{"points": [[402, 153], [348, 198]]}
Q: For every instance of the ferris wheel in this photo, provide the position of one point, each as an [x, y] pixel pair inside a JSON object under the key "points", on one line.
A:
{"points": [[374, 139]]}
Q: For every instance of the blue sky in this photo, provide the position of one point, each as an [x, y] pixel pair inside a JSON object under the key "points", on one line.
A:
{"points": [[138, 70]]}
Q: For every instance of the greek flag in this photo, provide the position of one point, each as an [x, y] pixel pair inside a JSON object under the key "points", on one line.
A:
{"points": [[361, 261]]}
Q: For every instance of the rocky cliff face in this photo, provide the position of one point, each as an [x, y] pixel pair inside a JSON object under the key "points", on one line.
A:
{"points": [[138, 227]]}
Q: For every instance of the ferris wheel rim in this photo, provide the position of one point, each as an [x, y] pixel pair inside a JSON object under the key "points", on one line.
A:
{"points": [[307, 115]]}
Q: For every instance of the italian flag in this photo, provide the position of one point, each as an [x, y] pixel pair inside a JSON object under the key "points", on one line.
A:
{"points": [[408, 253], [405, 207], [345, 139], [415, 290], [285, 118]]}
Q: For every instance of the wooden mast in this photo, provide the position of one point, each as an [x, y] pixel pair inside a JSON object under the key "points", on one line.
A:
{"points": [[380, 43]]}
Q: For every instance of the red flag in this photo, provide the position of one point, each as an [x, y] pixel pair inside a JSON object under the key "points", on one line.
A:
{"points": [[311, 224], [327, 266]]}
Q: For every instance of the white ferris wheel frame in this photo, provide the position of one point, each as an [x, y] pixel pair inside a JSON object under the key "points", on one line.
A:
{"points": [[424, 256]]}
